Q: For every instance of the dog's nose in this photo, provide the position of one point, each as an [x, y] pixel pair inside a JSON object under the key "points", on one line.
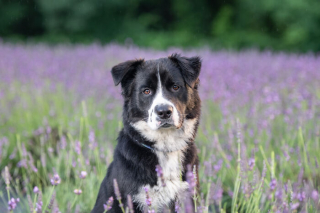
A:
{"points": [[163, 111]]}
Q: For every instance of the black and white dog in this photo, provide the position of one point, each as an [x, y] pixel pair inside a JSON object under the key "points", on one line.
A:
{"points": [[160, 118]]}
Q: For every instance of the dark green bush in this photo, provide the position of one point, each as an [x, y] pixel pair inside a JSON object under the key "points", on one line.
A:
{"points": [[292, 25]]}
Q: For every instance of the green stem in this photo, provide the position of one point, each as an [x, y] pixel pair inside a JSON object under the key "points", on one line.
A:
{"points": [[76, 197], [34, 203], [8, 191], [121, 206], [195, 201], [74, 201]]}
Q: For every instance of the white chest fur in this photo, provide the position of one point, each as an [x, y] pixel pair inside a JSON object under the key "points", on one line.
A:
{"points": [[170, 145]]}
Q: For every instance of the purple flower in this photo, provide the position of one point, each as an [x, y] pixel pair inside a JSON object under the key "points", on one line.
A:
{"points": [[91, 137], [188, 207], [251, 163], [159, 170], [315, 195], [12, 203], [191, 179], [217, 196], [63, 142], [160, 175], [294, 206], [177, 207], [218, 166], [130, 204], [35, 190], [39, 206], [273, 184], [148, 198], [77, 147], [301, 196], [92, 140], [77, 191], [278, 194], [116, 189], [109, 204], [55, 180], [83, 174]]}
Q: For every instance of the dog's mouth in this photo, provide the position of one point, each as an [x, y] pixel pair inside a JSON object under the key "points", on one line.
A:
{"points": [[165, 124]]}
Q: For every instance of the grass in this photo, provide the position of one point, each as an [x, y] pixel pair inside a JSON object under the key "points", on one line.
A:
{"points": [[75, 121], [258, 140]]}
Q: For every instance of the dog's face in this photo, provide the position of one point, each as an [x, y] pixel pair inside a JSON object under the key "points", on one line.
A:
{"points": [[162, 93]]}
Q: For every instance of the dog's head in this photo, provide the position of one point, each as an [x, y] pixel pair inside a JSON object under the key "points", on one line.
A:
{"points": [[162, 93]]}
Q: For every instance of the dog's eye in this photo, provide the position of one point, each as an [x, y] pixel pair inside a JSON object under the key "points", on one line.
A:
{"points": [[147, 91], [175, 87]]}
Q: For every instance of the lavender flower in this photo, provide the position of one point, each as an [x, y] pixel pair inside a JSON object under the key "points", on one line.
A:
{"points": [[91, 137], [7, 176], [77, 191], [63, 142], [130, 204], [273, 184], [38, 208], [218, 166], [188, 208], [218, 192], [294, 206], [109, 204], [315, 195], [55, 180], [92, 142], [30, 202], [116, 189], [12, 203], [52, 199], [39, 203], [251, 163], [36, 190], [83, 174], [278, 194], [148, 198], [77, 147], [301, 196], [177, 207], [160, 175], [191, 179]]}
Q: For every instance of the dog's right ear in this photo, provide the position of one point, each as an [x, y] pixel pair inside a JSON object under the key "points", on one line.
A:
{"points": [[122, 72]]}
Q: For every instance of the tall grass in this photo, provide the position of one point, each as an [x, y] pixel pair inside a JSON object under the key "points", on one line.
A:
{"points": [[256, 154]]}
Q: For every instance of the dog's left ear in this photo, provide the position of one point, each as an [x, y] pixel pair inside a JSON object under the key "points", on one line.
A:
{"points": [[190, 68]]}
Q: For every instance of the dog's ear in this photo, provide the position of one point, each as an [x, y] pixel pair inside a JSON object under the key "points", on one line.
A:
{"points": [[190, 68], [125, 71]]}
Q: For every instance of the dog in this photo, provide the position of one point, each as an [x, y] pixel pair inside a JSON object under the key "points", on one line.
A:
{"points": [[160, 119]]}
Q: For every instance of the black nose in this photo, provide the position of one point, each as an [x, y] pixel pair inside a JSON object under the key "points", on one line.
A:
{"points": [[163, 111]]}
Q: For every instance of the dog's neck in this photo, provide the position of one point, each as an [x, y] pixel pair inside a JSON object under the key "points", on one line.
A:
{"points": [[169, 146]]}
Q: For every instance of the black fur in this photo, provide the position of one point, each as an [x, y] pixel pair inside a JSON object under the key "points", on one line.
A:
{"points": [[134, 165]]}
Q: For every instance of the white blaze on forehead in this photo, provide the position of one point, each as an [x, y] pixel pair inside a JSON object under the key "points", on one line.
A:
{"points": [[160, 100]]}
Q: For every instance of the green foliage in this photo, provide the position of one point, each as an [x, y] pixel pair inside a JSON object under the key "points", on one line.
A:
{"points": [[281, 25]]}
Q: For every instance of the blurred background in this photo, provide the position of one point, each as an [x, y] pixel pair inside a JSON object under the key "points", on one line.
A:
{"points": [[60, 113], [289, 25]]}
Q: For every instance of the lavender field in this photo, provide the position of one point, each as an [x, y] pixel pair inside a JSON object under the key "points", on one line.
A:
{"points": [[60, 113]]}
